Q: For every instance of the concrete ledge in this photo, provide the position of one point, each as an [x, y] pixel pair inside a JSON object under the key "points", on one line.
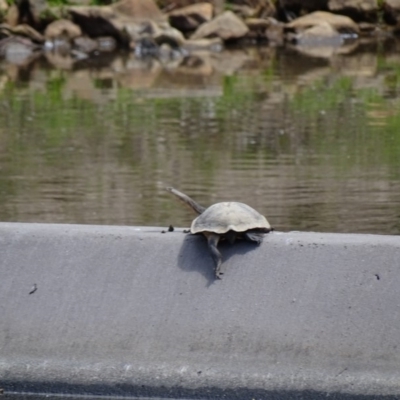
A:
{"points": [[132, 311]]}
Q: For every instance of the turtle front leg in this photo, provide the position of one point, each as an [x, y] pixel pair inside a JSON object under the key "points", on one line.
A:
{"points": [[213, 240]]}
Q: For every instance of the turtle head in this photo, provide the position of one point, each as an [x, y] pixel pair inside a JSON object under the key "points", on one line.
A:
{"points": [[196, 207]]}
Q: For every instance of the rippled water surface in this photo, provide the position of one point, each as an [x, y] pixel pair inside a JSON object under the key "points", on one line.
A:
{"points": [[313, 143]]}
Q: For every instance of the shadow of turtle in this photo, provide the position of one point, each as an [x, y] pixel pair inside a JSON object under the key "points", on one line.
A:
{"points": [[228, 250], [194, 255]]}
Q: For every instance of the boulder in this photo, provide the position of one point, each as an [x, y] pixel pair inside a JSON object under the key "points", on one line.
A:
{"points": [[153, 37], [359, 10], [214, 44], [85, 45], [79, 2], [169, 5], [244, 11], [159, 33], [29, 32], [98, 21], [322, 34], [227, 26], [275, 33], [12, 15], [191, 17], [22, 30], [341, 23], [118, 21], [60, 60], [59, 45], [26, 12], [62, 28], [266, 9], [308, 5], [265, 29], [288, 10], [254, 8], [145, 47], [3, 6], [165, 33], [18, 50], [391, 11], [257, 28], [106, 44], [139, 9]]}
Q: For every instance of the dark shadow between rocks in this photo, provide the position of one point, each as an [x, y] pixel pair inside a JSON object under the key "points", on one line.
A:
{"points": [[194, 255]]}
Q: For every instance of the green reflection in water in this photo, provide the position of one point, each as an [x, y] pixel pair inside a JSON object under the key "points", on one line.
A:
{"points": [[316, 152]]}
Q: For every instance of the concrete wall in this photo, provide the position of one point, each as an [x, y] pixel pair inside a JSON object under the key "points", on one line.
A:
{"points": [[132, 311]]}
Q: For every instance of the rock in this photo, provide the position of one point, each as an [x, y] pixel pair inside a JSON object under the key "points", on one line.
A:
{"points": [[170, 5], [12, 16], [261, 29], [139, 10], [146, 47], [85, 44], [59, 45], [275, 33], [326, 51], [359, 10], [29, 32], [3, 6], [79, 2], [17, 50], [368, 28], [62, 28], [23, 30], [322, 34], [287, 10], [227, 26], [164, 33], [106, 44], [243, 11], [253, 8], [159, 33], [191, 17], [26, 12], [266, 9], [391, 11], [59, 60], [165, 51], [193, 68], [214, 44], [257, 28], [110, 22], [266, 29], [156, 38], [341, 23], [96, 21]]}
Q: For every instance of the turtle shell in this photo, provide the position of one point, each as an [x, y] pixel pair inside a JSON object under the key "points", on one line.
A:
{"points": [[229, 216]]}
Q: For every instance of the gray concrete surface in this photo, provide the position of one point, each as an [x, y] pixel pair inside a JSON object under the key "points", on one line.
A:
{"points": [[132, 311]]}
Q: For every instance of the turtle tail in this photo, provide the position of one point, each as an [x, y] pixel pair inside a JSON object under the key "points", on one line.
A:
{"points": [[197, 208]]}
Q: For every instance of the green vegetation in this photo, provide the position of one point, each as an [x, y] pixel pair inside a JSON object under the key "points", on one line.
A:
{"points": [[318, 112]]}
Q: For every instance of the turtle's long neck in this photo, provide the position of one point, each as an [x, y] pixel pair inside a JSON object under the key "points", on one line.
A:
{"points": [[197, 208]]}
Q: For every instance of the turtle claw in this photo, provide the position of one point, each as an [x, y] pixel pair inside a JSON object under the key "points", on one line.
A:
{"points": [[218, 274]]}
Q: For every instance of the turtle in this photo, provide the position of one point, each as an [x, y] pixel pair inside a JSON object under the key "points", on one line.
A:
{"points": [[227, 220]]}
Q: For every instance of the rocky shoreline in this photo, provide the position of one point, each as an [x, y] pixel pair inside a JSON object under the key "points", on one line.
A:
{"points": [[173, 30]]}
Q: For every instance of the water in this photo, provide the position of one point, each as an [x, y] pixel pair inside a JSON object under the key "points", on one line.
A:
{"points": [[312, 143]]}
